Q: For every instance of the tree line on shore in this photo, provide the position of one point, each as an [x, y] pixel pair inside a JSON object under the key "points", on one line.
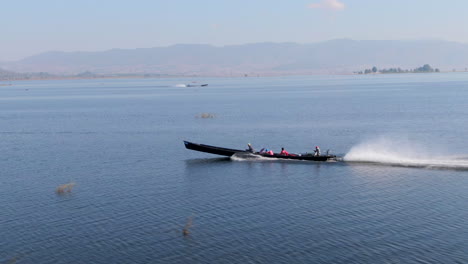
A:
{"points": [[15, 76], [423, 69]]}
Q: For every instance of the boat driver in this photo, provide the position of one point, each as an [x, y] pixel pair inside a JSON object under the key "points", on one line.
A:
{"points": [[317, 151]]}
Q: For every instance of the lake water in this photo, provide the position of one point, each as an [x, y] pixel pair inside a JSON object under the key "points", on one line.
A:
{"points": [[400, 194]]}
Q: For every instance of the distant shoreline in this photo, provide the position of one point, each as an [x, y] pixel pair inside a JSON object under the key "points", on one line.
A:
{"points": [[89, 78], [4, 81]]}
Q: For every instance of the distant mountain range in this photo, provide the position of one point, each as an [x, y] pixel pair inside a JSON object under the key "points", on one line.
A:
{"points": [[334, 56]]}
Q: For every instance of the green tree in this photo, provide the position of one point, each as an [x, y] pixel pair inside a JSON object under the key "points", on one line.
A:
{"points": [[374, 69], [427, 68]]}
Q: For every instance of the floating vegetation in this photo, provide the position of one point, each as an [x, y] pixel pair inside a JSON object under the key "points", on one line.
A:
{"points": [[12, 260], [65, 188], [206, 115], [188, 225]]}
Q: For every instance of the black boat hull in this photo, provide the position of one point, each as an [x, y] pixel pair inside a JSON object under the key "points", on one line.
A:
{"points": [[229, 152], [211, 149]]}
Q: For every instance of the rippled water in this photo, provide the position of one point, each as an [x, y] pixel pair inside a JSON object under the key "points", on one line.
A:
{"points": [[399, 194]]}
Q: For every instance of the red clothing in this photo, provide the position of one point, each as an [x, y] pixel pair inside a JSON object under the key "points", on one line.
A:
{"points": [[284, 152]]}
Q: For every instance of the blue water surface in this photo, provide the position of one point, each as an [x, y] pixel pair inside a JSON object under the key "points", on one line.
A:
{"points": [[399, 196]]}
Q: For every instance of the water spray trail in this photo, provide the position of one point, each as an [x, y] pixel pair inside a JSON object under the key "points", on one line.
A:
{"points": [[403, 152]]}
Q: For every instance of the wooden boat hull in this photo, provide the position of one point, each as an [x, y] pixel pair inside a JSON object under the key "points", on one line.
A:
{"points": [[229, 152], [211, 149]]}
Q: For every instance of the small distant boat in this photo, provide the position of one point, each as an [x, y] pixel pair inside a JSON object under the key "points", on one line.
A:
{"points": [[229, 152], [197, 85]]}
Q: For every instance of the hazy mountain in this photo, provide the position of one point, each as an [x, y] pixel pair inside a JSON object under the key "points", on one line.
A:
{"points": [[334, 56]]}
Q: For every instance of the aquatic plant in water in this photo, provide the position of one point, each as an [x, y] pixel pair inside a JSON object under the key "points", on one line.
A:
{"points": [[206, 115], [185, 230], [65, 188]]}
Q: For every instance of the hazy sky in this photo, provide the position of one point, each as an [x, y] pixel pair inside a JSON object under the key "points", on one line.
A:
{"points": [[30, 27]]}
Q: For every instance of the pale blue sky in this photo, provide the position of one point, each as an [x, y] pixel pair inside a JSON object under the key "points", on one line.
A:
{"points": [[30, 27]]}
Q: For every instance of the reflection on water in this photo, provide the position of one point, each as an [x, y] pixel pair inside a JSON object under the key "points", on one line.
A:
{"points": [[202, 162]]}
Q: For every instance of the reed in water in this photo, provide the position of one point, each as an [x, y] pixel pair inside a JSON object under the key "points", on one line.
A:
{"points": [[188, 225], [206, 115], [65, 188]]}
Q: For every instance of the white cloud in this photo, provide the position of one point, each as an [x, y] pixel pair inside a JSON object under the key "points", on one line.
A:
{"points": [[328, 4]]}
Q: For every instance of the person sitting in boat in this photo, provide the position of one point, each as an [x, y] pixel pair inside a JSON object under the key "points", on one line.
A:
{"points": [[284, 152], [266, 151], [250, 149], [317, 151]]}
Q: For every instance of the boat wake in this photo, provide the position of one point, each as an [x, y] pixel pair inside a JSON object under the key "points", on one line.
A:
{"points": [[245, 156], [403, 153]]}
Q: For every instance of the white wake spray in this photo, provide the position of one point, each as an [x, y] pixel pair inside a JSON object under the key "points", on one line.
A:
{"points": [[249, 157], [404, 152]]}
